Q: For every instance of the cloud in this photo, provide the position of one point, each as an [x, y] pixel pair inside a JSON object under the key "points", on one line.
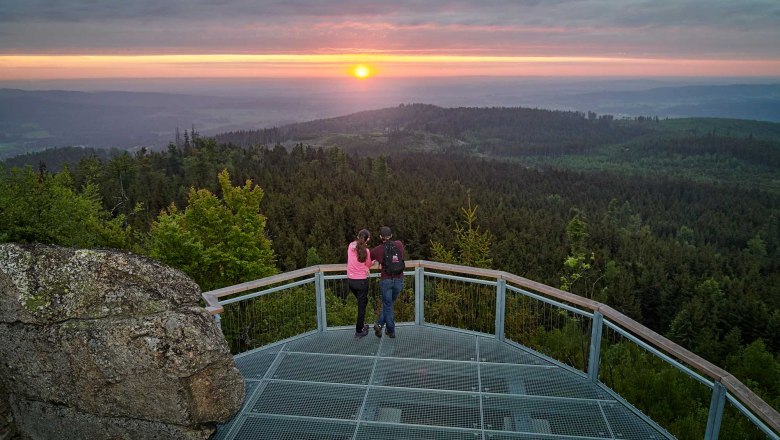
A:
{"points": [[662, 28], [518, 12]]}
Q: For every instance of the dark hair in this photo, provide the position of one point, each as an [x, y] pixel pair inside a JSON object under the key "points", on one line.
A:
{"points": [[385, 232], [362, 248]]}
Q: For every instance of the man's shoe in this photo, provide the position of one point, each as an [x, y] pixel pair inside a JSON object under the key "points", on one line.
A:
{"points": [[390, 335], [377, 330], [359, 335]]}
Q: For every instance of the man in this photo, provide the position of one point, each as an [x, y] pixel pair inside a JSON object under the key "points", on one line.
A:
{"points": [[391, 279]]}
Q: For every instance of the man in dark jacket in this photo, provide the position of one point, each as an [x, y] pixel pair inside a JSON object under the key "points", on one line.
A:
{"points": [[390, 282]]}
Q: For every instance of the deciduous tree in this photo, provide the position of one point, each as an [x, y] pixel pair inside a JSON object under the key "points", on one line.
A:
{"points": [[217, 241]]}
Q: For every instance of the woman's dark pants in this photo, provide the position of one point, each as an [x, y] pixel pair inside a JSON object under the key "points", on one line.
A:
{"points": [[360, 289]]}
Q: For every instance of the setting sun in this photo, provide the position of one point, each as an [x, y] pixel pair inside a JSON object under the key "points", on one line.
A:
{"points": [[361, 71]]}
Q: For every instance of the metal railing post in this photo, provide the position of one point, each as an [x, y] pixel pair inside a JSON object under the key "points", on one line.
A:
{"points": [[500, 308], [419, 295], [218, 320], [595, 346], [322, 320], [715, 415]]}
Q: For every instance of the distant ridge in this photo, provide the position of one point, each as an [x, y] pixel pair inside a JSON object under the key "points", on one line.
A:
{"points": [[34, 120], [738, 101], [493, 130], [55, 158]]}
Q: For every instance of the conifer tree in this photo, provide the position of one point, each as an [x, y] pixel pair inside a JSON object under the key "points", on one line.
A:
{"points": [[44, 208], [472, 246], [578, 262]]}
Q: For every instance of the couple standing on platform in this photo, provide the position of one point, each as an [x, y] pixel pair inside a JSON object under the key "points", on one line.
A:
{"points": [[389, 254]]}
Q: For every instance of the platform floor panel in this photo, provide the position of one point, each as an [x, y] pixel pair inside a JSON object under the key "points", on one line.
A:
{"points": [[427, 383]]}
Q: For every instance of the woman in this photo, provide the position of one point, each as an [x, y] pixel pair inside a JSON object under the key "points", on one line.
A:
{"points": [[358, 264]]}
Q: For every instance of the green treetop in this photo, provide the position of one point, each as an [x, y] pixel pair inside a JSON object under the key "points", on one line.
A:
{"points": [[218, 242]]}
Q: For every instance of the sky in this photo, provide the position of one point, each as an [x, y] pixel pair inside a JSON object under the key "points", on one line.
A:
{"points": [[70, 39]]}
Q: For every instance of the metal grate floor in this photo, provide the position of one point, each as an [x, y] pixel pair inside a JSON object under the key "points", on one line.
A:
{"points": [[428, 383]]}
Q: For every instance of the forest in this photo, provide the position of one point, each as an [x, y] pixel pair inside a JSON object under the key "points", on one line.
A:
{"points": [[697, 260], [740, 153]]}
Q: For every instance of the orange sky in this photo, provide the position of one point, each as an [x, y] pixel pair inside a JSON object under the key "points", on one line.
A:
{"points": [[37, 67], [67, 39]]}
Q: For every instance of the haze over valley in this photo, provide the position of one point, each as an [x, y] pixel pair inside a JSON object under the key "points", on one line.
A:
{"points": [[148, 112]]}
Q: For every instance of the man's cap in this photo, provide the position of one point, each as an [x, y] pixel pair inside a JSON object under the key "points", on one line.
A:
{"points": [[385, 231]]}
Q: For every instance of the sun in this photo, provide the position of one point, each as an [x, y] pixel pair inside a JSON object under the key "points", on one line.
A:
{"points": [[361, 71]]}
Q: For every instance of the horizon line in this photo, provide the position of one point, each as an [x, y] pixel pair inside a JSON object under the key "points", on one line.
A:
{"points": [[19, 67]]}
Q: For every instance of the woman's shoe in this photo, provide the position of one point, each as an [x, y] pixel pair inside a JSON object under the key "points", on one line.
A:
{"points": [[359, 335]]}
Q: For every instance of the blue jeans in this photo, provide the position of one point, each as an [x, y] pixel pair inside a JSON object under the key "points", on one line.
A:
{"points": [[389, 288]]}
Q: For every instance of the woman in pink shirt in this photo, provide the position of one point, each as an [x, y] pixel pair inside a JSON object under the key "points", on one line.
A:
{"points": [[358, 264]]}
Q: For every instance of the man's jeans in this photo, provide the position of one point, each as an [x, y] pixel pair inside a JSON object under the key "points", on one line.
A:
{"points": [[389, 288]]}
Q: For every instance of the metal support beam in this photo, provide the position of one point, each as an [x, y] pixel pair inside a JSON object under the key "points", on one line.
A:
{"points": [[500, 308], [715, 416], [595, 346], [218, 320], [322, 320], [419, 295]]}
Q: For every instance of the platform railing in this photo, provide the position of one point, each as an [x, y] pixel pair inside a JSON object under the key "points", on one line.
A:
{"points": [[630, 361]]}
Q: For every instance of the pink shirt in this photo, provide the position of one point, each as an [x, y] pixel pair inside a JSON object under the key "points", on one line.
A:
{"points": [[355, 269]]}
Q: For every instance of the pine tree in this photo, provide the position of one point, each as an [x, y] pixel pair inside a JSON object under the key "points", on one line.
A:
{"points": [[44, 208], [578, 262], [472, 246]]}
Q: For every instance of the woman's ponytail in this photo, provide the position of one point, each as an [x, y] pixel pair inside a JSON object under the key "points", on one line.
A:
{"points": [[362, 247]]}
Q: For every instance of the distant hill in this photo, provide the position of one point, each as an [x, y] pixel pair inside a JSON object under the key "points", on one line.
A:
{"points": [[739, 152], [34, 120], [504, 131], [739, 101], [53, 159], [501, 131]]}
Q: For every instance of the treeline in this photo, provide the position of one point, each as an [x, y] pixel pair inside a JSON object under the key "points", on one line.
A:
{"points": [[53, 159], [697, 262]]}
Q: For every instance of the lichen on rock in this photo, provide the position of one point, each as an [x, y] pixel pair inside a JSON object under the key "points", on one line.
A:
{"points": [[113, 337]]}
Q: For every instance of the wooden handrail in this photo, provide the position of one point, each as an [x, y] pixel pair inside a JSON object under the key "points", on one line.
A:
{"points": [[769, 415], [551, 291], [252, 285], [747, 397], [713, 371], [212, 304]]}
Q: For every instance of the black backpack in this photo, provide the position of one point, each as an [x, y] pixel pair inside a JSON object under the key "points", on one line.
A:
{"points": [[393, 259]]}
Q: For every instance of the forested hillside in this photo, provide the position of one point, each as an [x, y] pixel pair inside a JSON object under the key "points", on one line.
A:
{"points": [[495, 131], [697, 261], [734, 152], [660, 238], [54, 159]]}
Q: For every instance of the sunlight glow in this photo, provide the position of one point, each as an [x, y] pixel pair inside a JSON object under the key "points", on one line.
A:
{"points": [[361, 71], [33, 67]]}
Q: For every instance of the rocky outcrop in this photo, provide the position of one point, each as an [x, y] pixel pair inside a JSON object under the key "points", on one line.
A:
{"points": [[104, 344], [7, 428]]}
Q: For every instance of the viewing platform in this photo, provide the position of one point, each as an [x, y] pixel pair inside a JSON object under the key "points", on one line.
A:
{"points": [[479, 354]]}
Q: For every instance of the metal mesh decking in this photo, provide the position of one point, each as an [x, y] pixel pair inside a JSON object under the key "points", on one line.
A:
{"points": [[428, 383]]}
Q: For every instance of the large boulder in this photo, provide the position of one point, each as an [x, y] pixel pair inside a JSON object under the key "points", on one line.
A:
{"points": [[105, 344], [7, 429]]}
